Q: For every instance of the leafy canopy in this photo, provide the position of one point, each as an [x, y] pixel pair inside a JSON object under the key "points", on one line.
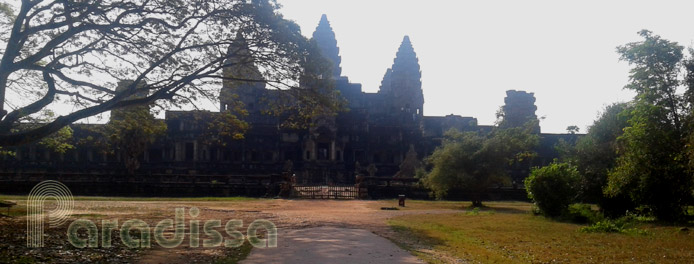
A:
{"points": [[473, 162], [553, 187], [76, 52], [652, 168]]}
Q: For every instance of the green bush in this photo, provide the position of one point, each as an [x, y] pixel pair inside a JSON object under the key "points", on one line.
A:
{"points": [[553, 187], [582, 214], [607, 226], [623, 225]]}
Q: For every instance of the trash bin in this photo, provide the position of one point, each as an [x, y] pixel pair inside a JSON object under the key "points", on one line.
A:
{"points": [[401, 200]]}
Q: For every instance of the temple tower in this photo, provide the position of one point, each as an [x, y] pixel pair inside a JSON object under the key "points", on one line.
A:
{"points": [[325, 38], [385, 83], [240, 64], [402, 83], [519, 109], [140, 92]]}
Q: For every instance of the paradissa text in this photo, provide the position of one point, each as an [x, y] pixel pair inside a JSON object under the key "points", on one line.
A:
{"points": [[213, 238]]}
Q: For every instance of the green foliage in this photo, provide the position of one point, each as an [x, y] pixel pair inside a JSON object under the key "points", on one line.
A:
{"points": [[553, 187], [656, 65], [573, 129], [474, 211], [595, 155], [316, 101], [128, 134], [624, 225], [60, 141], [179, 50], [607, 226], [221, 128], [478, 211], [474, 162], [582, 213], [6, 11], [652, 168]]}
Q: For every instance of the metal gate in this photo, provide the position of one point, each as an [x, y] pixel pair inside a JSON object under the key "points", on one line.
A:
{"points": [[327, 192]]}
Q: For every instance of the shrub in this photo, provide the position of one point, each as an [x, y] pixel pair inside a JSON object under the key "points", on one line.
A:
{"points": [[553, 187], [607, 226], [620, 225], [582, 214]]}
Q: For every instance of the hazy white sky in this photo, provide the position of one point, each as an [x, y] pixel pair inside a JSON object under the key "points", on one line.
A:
{"points": [[471, 52]]}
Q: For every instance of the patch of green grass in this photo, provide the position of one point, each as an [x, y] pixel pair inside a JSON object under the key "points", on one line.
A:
{"points": [[15, 211], [509, 206], [478, 210], [509, 237], [623, 225], [235, 255]]}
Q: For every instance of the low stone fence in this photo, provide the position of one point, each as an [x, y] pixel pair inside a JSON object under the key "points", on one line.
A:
{"points": [[144, 185]]}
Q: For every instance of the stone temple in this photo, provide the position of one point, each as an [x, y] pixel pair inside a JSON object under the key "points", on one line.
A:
{"points": [[374, 137]]}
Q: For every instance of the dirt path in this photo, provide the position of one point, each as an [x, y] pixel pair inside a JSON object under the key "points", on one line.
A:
{"points": [[351, 219], [330, 245], [294, 218]]}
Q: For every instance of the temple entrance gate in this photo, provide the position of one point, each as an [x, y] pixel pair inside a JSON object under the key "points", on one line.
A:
{"points": [[345, 192]]}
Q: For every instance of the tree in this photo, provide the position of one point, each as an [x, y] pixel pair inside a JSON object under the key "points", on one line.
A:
{"points": [[595, 155], [128, 133], [77, 51], [652, 167], [573, 129], [689, 106], [131, 132], [59, 142], [409, 166], [473, 162], [553, 187]]}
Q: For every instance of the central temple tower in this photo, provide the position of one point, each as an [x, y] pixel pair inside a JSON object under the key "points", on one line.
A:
{"points": [[402, 83], [324, 36]]}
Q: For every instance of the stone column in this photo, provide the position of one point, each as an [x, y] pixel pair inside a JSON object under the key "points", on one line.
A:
{"points": [[332, 150]]}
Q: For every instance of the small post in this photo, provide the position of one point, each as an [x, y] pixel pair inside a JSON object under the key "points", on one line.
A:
{"points": [[401, 200]]}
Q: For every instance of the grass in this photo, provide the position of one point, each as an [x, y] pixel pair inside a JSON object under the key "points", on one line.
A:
{"points": [[236, 254], [418, 205], [17, 210], [143, 199], [497, 235]]}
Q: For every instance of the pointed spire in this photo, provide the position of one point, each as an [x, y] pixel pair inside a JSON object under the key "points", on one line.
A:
{"points": [[239, 52], [325, 38], [239, 64], [385, 83], [240, 60], [406, 61], [405, 79]]}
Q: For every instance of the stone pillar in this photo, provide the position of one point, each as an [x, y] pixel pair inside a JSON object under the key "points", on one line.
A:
{"points": [[178, 151], [332, 150], [195, 150]]}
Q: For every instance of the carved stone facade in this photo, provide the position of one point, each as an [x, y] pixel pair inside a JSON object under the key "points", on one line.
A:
{"points": [[519, 108], [378, 133]]}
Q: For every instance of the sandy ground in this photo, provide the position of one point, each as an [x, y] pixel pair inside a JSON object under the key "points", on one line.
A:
{"points": [[359, 223], [354, 224]]}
